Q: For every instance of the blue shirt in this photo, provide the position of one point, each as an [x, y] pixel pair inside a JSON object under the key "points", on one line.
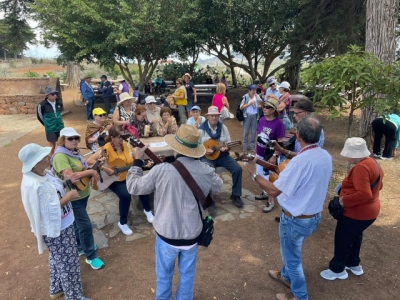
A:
{"points": [[87, 91], [271, 92], [304, 182]]}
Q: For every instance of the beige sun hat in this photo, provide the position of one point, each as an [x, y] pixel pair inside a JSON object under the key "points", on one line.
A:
{"points": [[213, 110], [186, 141], [124, 97], [187, 74], [355, 147]]}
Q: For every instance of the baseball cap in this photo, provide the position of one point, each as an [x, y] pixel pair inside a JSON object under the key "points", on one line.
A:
{"points": [[195, 108]]}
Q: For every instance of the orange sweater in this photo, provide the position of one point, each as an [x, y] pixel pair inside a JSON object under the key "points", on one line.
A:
{"points": [[359, 201]]}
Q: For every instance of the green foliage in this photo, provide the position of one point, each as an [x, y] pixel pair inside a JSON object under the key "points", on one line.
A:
{"points": [[361, 75], [63, 76], [91, 73], [51, 74], [177, 70], [31, 74], [114, 72]]}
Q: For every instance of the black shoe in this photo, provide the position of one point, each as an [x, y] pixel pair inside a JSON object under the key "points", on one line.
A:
{"points": [[262, 196], [278, 219], [237, 201], [212, 210]]}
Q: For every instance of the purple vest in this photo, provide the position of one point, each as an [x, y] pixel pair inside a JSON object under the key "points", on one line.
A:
{"points": [[125, 89]]}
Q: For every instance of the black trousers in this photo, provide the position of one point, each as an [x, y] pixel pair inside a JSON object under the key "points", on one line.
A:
{"points": [[387, 129], [348, 240], [107, 105]]}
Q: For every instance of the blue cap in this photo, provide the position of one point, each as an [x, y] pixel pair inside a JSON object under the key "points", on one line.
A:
{"points": [[195, 108], [252, 87]]}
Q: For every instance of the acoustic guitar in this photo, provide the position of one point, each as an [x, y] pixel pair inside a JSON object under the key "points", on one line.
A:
{"points": [[84, 182], [216, 147]]}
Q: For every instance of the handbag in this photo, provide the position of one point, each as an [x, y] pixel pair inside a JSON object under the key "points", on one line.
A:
{"points": [[207, 232], [225, 113], [336, 210]]}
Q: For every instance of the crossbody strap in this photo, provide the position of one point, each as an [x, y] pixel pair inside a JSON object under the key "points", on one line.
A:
{"points": [[192, 184], [379, 177]]}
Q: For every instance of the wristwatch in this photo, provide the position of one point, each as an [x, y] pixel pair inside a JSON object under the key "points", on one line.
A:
{"points": [[254, 176], [276, 155]]}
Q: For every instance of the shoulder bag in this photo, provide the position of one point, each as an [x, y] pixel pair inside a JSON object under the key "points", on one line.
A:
{"points": [[206, 234]]}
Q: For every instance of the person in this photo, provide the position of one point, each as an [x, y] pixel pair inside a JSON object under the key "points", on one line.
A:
{"points": [[390, 128], [122, 88], [224, 81], [269, 128], [69, 164], [88, 97], [213, 129], [139, 120], [116, 149], [177, 221], [107, 90], [181, 101], [49, 115], [272, 90], [301, 200], [216, 79], [157, 84], [166, 124], [153, 111], [285, 102], [359, 195], [95, 129], [190, 92], [124, 110], [249, 104], [196, 119], [219, 99], [209, 80], [51, 217], [148, 88]]}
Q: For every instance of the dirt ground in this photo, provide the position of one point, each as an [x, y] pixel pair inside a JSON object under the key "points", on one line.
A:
{"points": [[235, 266]]}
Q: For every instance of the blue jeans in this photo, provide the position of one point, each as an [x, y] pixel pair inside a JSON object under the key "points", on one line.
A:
{"points": [[182, 114], [165, 264], [292, 233], [249, 127], [89, 109], [226, 161], [190, 104], [83, 228]]}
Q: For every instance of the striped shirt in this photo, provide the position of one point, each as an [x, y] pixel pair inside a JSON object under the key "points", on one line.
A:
{"points": [[304, 182]]}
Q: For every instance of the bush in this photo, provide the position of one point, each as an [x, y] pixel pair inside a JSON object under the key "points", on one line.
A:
{"points": [[51, 74], [31, 74], [63, 76]]}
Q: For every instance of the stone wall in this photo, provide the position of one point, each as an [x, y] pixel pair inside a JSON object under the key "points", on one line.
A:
{"points": [[22, 95]]}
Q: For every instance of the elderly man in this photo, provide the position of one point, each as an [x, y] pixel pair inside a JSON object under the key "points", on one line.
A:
{"points": [[88, 97], [153, 111], [106, 89], [214, 129], [49, 114], [301, 190], [177, 222], [273, 90]]}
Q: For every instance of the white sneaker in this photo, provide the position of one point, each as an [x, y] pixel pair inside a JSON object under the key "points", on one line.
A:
{"points": [[330, 275], [125, 229], [357, 270], [149, 216]]}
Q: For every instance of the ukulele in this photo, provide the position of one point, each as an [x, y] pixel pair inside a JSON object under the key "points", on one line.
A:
{"points": [[84, 182], [216, 146]]}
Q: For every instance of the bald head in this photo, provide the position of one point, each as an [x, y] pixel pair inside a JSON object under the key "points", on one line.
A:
{"points": [[309, 129]]}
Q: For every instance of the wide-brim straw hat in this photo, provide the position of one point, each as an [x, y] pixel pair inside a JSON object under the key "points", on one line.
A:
{"points": [[272, 102], [124, 97], [187, 74], [31, 154], [355, 147], [186, 141]]}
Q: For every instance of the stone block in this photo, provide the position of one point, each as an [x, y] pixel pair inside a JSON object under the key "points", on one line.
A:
{"points": [[23, 110], [13, 110], [4, 106], [32, 111], [2, 101], [225, 217], [2, 111], [7, 112], [100, 239], [21, 103]]}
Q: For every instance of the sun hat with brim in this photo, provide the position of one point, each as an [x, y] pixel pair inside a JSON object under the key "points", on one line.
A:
{"points": [[195, 108], [98, 111], [355, 147], [186, 141], [187, 74], [213, 110], [150, 99], [49, 90], [124, 97], [31, 154], [69, 131], [272, 102], [271, 80], [304, 104], [284, 85]]}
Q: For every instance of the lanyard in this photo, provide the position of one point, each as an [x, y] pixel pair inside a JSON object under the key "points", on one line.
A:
{"points": [[309, 147]]}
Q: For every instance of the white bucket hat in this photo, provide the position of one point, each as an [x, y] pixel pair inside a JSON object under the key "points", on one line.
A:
{"points": [[150, 99], [31, 154], [285, 85], [355, 147], [69, 131]]}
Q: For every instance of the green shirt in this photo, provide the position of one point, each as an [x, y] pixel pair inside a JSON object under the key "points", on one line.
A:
{"points": [[63, 162]]}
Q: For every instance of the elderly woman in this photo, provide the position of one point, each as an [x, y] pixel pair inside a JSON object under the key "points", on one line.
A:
{"points": [[390, 128], [119, 154], [285, 102], [139, 120], [196, 119], [153, 111], [68, 163], [269, 128], [124, 110], [219, 99], [167, 123], [359, 195], [96, 128], [50, 213], [181, 101]]}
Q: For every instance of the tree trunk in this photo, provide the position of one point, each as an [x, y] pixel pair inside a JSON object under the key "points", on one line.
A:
{"points": [[382, 17], [73, 74], [292, 75], [234, 78]]}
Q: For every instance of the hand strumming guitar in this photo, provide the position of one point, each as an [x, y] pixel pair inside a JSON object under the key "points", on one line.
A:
{"points": [[224, 149], [209, 151], [140, 152]]}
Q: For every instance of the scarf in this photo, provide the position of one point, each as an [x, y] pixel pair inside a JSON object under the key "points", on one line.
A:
{"points": [[204, 126], [61, 149]]}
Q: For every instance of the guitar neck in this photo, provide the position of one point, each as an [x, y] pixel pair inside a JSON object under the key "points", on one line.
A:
{"points": [[267, 165], [153, 157]]}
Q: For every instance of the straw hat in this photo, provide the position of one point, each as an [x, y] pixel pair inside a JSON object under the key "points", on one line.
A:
{"points": [[272, 102], [124, 97], [355, 147], [31, 154], [213, 110], [187, 74], [186, 141]]}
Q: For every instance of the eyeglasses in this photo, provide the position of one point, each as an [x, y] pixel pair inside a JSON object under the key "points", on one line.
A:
{"points": [[296, 113], [102, 115], [71, 138], [116, 137], [268, 107]]}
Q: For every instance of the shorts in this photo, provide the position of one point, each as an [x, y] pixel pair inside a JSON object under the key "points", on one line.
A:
{"points": [[52, 136]]}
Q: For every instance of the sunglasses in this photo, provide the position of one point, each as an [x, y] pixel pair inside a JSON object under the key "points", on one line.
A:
{"points": [[272, 84], [102, 115], [71, 138], [53, 94], [268, 107]]}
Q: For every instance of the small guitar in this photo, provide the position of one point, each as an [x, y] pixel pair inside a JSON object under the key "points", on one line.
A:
{"points": [[216, 146], [84, 182]]}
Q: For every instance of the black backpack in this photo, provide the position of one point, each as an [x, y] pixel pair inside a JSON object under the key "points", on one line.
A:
{"points": [[239, 113]]}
